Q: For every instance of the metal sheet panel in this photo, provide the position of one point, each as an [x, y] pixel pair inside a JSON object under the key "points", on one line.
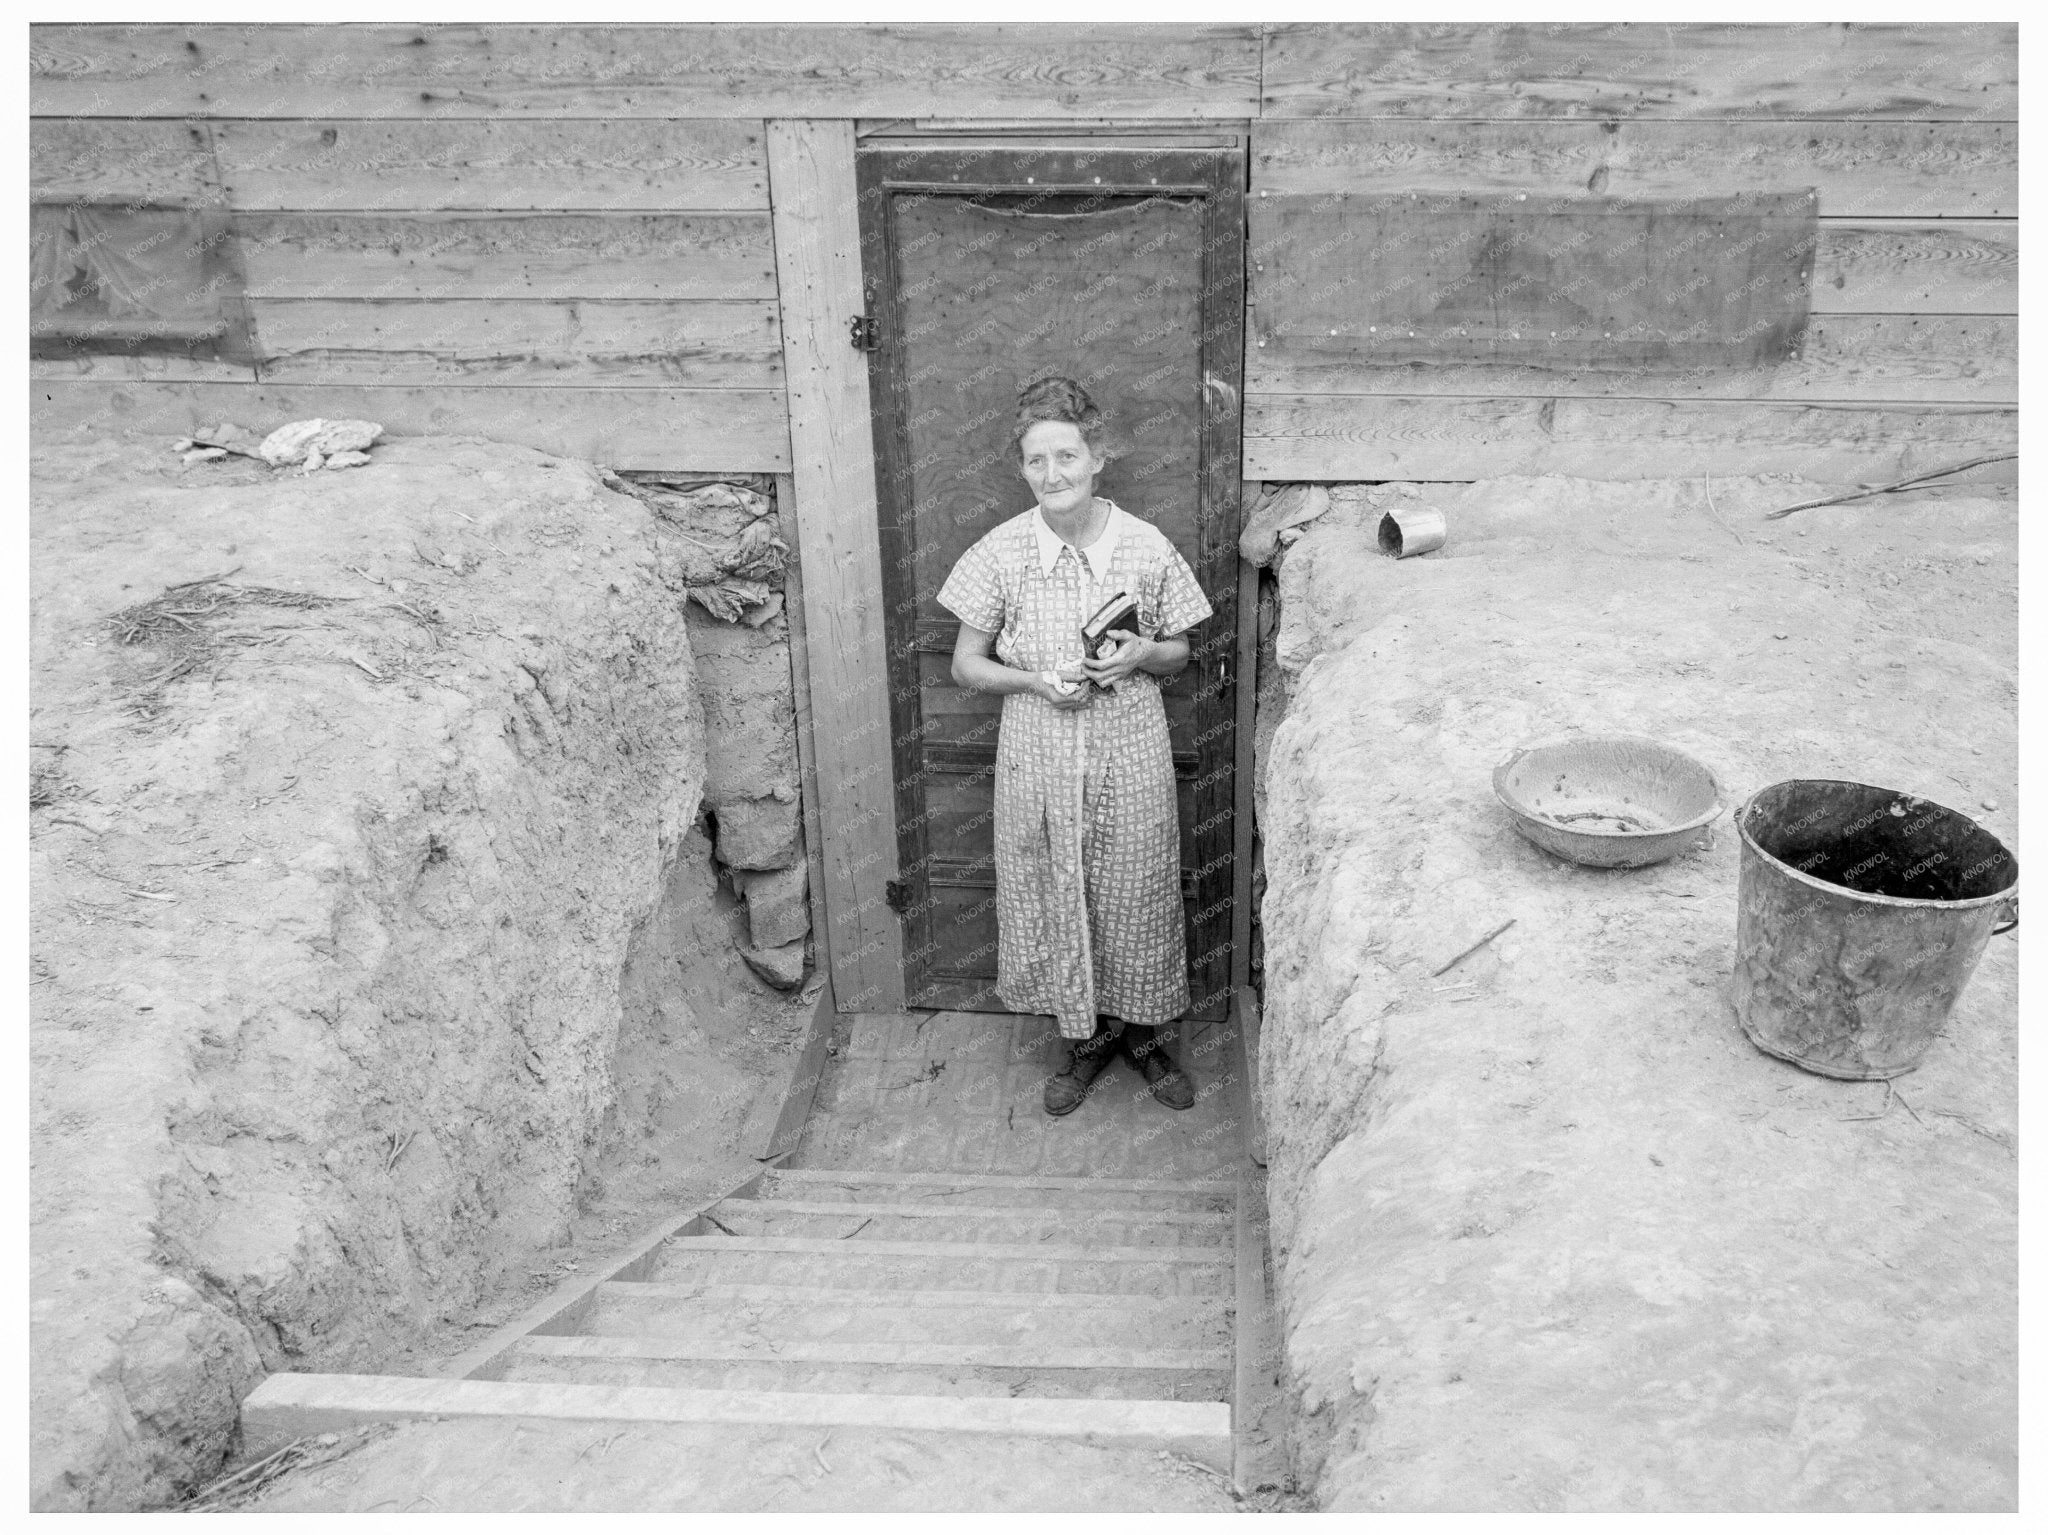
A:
{"points": [[1540, 281]]}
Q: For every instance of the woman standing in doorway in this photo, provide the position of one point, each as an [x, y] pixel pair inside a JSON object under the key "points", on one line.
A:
{"points": [[1087, 828]]}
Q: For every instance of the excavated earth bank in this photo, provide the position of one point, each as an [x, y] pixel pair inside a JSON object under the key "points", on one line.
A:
{"points": [[1550, 1233], [349, 868]]}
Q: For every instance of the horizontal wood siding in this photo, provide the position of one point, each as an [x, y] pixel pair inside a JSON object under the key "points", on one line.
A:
{"points": [[1909, 356], [1045, 69], [522, 255], [1631, 69], [1966, 359], [121, 161], [1340, 437], [410, 163], [720, 429], [630, 341], [145, 368], [1908, 266], [1859, 169], [605, 289], [586, 209]]}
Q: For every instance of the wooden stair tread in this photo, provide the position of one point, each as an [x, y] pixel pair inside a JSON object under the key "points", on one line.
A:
{"points": [[1002, 1252], [1210, 1186], [286, 1407], [1093, 1214], [807, 1351], [856, 1298]]}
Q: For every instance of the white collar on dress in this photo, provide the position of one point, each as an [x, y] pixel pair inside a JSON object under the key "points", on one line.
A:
{"points": [[1096, 554]]}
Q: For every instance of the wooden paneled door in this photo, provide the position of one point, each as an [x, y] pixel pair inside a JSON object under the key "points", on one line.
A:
{"points": [[985, 268]]}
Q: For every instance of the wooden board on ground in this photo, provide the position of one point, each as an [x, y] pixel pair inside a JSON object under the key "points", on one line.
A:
{"points": [[1633, 69], [295, 70], [817, 242], [1244, 766], [1859, 169], [508, 255], [777, 1117], [1386, 437], [286, 1407], [1258, 1405], [564, 1308], [634, 428], [1245, 1019]]}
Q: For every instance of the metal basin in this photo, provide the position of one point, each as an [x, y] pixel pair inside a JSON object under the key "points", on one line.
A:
{"points": [[1614, 802]]}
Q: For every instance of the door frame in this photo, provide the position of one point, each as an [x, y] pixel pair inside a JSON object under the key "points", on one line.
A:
{"points": [[1217, 175]]}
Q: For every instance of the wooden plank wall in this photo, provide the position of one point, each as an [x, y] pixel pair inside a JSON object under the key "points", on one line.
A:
{"points": [[1908, 134], [605, 289], [558, 235], [1053, 70], [561, 233]]}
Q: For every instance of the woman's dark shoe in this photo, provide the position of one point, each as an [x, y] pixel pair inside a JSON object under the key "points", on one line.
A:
{"points": [[1085, 1061], [1146, 1048]]}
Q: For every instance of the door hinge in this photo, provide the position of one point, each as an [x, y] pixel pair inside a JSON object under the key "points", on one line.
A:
{"points": [[897, 894], [866, 334]]}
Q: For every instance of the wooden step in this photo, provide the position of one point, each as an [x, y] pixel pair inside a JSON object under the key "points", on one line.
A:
{"points": [[897, 1317], [1038, 1356], [860, 1184], [828, 1296], [879, 1380], [772, 1364], [286, 1407], [994, 1252], [886, 1266], [853, 1220]]}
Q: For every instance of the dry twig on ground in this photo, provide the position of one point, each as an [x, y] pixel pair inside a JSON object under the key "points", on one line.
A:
{"points": [[1885, 490], [1475, 948], [178, 622], [239, 1488]]}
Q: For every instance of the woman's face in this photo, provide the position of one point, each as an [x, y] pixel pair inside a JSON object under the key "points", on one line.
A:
{"points": [[1060, 466]]}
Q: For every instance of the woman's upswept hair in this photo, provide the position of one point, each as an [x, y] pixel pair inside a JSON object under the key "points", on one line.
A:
{"points": [[1054, 398]]}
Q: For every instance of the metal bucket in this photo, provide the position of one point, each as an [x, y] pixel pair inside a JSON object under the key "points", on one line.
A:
{"points": [[1861, 914]]}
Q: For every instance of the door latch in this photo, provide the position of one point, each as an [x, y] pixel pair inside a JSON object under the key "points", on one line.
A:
{"points": [[866, 334]]}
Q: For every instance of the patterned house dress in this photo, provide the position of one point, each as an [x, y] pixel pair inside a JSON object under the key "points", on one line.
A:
{"points": [[1087, 825]]}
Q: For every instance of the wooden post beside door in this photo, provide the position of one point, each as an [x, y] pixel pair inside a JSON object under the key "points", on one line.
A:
{"points": [[832, 474]]}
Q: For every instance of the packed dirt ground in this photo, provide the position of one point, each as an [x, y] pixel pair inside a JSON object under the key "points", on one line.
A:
{"points": [[1550, 1233], [381, 970]]}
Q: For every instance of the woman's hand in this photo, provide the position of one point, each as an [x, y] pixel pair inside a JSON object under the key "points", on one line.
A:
{"points": [[1075, 698], [1132, 652]]}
